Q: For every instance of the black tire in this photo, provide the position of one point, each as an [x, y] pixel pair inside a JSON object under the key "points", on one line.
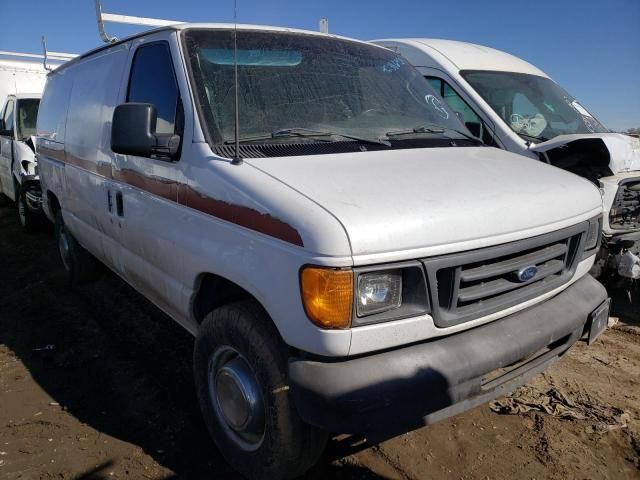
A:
{"points": [[79, 265], [29, 220], [288, 446]]}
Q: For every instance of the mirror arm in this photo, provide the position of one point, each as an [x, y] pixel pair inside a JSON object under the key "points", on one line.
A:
{"points": [[167, 145]]}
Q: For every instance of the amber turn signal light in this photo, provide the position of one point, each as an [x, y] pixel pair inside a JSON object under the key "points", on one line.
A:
{"points": [[327, 296]]}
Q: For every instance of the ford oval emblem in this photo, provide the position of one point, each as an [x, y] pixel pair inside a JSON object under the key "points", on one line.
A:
{"points": [[527, 273]]}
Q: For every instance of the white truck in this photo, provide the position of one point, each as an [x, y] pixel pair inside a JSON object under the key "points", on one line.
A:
{"points": [[348, 257], [513, 105], [21, 85]]}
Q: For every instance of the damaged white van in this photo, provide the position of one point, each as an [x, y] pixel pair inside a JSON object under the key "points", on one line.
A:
{"points": [[348, 257], [513, 105], [21, 83]]}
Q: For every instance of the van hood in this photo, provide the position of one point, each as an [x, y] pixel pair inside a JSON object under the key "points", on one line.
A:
{"points": [[397, 200], [620, 152]]}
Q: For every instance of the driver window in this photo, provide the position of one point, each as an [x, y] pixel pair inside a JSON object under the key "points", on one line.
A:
{"points": [[153, 81], [462, 109]]}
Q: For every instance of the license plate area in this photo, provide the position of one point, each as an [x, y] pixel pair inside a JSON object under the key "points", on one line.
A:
{"points": [[599, 319]]}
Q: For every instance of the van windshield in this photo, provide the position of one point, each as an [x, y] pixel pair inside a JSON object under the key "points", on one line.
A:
{"points": [[293, 85], [27, 116], [536, 108]]}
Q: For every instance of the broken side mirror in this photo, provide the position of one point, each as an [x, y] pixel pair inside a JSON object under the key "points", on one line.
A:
{"points": [[133, 132]]}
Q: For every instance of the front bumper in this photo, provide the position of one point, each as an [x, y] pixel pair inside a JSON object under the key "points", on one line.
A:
{"points": [[386, 394]]}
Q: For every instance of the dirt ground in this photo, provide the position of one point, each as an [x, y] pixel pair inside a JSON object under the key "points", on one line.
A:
{"points": [[95, 383]]}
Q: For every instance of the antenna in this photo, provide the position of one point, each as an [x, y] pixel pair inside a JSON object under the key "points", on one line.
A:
{"points": [[237, 160], [102, 17], [324, 25]]}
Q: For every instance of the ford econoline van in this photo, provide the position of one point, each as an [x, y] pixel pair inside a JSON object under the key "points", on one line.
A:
{"points": [[347, 255], [513, 105]]}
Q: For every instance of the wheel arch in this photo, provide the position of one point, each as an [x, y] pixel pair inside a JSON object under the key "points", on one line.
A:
{"points": [[213, 291]]}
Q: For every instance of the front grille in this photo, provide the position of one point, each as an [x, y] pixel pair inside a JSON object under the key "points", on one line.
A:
{"points": [[477, 283], [625, 211]]}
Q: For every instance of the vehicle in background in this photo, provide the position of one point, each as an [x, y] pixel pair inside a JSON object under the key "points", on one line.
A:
{"points": [[349, 258], [18, 172], [21, 85], [513, 105]]}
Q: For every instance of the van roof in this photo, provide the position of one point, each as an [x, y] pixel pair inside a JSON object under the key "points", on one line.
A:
{"points": [[468, 56], [207, 26]]}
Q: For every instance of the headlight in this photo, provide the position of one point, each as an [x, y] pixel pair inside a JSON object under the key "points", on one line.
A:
{"points": [[594, 232], [378, 292]]}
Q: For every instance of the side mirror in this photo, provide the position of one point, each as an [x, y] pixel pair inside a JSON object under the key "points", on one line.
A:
{"points": [[133, 132]]}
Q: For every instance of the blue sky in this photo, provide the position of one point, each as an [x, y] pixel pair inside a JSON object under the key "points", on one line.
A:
{"points": [[590, 47]]}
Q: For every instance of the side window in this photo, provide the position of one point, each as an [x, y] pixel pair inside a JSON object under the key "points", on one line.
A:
{"points": [[8, 116], [52, 114], [462, 109], [153, 80]]}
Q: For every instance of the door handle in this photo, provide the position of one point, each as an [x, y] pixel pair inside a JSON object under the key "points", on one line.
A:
{"points": [[119, 204], [109, 202]]}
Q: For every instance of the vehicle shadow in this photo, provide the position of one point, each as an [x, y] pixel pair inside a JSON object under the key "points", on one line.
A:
{"points": [[115, 363]]}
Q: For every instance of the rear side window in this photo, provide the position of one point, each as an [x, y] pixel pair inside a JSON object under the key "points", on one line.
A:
{"points": [[153, 80], [52, 114]]}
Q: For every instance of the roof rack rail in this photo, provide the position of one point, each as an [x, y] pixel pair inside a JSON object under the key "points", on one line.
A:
{"points": [[51, 55], [102, 17]]}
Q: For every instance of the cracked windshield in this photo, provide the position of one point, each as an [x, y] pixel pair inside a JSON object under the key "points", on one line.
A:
{"points": [[295, 88]]}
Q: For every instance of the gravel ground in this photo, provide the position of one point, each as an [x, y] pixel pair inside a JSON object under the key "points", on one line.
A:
{"points": [[95, 383]]}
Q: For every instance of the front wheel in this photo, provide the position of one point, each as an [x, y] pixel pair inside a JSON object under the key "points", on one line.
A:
{"points": [[240, 365]]}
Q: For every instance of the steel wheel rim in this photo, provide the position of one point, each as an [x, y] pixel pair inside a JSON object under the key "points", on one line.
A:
{"points": [[236, 398]]}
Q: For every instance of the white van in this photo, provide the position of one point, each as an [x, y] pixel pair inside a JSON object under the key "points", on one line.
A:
{"points": [[513, 105], [21, 84], [354, 261]]}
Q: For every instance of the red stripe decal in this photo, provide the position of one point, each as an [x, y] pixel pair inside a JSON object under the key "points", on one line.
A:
{"points": [[184, 195]]}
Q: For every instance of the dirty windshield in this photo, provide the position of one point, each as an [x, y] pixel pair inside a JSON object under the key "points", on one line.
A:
{"points": [[311, 88], [534, 107], [27, 116]]}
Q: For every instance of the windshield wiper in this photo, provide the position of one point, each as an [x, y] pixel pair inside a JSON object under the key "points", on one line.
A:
{"points": [[532, 138], [433, 129], [307, 132]]}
